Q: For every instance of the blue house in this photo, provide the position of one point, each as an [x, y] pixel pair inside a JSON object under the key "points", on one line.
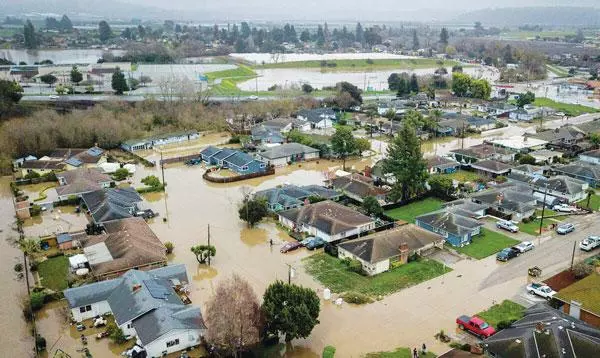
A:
{"points": [[291, 196], [238, 161], [456, 228]]}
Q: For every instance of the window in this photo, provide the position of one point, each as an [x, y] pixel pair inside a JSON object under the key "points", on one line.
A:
{"points": [[172, 343], [85, 309]]}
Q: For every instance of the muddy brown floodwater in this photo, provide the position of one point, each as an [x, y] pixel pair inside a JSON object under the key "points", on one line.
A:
{"points": [[15, 340]]}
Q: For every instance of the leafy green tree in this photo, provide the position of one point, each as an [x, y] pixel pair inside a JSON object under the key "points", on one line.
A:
{"points": [[589, 192], [48, 79], [371, 206], [115, 333], [343, 143], [352, 90], [441, 186], [60, 89], [525, 98], [36, 300], [481, 89], [594, 138], [121, 174], [461, 84], [444, 37], [104, 31], [76, 75], [405, 162], [252, 211], [457, 68], [306, 88], [151, 181], [30, 36], [362, 145], [119, 83], [526, 159], [202, 252], [394, 81], [169, 247], [290, 310]]}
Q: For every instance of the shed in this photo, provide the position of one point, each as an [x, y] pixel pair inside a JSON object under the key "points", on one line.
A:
{"points": [[78, 261]]}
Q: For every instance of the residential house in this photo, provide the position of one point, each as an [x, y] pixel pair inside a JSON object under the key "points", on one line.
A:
{"points": [[442, 165], [112, 204], [149, 305], [592, 157], [544, 332], [501, 109], [589, 127], [482, 151], [585, 171], [281, 155], [81, 158], [41, 167], [327, 220], [158, 140], [480, 124], [567, 139], [491, 168], [528, 170], [378, 252], [262, 135], [455, 227], [466, 207], [292, 196], [125, 244], [357, 187], [519, 144], [508, 200], [376, 172], [580, 299], [238, 161], [522, 115], [284, 125], [545, 156], [557, 189], [80, 181], [318, 117]]}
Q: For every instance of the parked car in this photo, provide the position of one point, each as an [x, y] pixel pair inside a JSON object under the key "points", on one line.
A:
{"points": [[475, 325], [307, 240], [315, 243], [565, 228], [541, 290], [590, 243], [524, 246], [507, 254], [53, 97], [565, 208], [290, 246], [253, 97], [507, 225]]}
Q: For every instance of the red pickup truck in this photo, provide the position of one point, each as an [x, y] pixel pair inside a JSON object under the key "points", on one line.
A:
{"points": [[475, 325]]}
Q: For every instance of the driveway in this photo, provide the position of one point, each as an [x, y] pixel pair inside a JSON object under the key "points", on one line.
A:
{"points": [[521, 236]]}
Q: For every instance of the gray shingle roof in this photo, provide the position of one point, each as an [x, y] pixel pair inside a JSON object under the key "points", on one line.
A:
{"points": [[581, 169], [451, 222], [492, 166], [111, 203], [239, 159], [165, 319], [88, 294], [286, 150]]}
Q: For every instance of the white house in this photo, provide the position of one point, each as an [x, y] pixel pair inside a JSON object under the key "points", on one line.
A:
{"points": [[150, 305], [318, 118], [592, 156], [157, 140], [326, 219], [281, 155]]}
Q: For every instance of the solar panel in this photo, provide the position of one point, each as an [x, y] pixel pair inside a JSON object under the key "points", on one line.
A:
{"points": [[156, 289]]}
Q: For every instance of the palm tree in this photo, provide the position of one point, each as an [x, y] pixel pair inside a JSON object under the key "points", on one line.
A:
{"points": [[29, 247], [589, 192]]}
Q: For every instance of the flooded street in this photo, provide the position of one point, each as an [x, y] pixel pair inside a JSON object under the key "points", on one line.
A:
{"points": [[15, 339]]}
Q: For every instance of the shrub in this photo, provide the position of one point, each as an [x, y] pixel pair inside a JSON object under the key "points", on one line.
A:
{"points": [[234, 139], [18, 267], [353, 265], [32, 175], [35, 210], [169, 246], [581, 269], [40, 343], [36, 300], [356, 298], [115, 333], [342, 122], [462, 347], [121, 174], [505, 324], [51, 176], [328, 352]]}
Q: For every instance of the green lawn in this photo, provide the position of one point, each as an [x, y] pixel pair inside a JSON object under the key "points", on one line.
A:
{"points": [[53, 273], [400, 353], [505, 311], [228, 80], [569, 109], [533, 227], [463, 176], [486, 244], [594, 202], [411, 211], [363, 64], [559, 71], [335, 275]]}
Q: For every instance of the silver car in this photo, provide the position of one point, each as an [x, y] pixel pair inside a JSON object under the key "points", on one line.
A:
{"points": [[507, 225], [564, 229], [524, 246]]}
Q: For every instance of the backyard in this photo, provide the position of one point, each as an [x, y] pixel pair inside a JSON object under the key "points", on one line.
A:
{"points": [[399, 353], [335, 275], [463, 176], [53, 273], [410, 211], [571, 110], [486, 244], [506, 311]]}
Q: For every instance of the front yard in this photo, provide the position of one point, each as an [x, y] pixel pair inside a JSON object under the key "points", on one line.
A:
{"points": [[400, 353], [335, 275], [533, 227], [594, 202], [463, 176], [486, 244], [53, 273], [506, 311], [410, 211]]}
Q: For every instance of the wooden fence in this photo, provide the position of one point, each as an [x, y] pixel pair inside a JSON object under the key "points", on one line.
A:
{"points": [[208, 177], [179, 159]]}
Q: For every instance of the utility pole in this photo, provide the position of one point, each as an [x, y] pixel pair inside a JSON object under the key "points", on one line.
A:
{"points": [[209, 250], [543, 208], [289, 274], [162, 168], [573, 254]]}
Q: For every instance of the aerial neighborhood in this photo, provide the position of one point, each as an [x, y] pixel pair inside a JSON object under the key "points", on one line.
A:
{"points": [[172, 189]]}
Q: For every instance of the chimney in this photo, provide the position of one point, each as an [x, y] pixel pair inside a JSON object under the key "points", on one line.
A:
{"points": [[136, 288], [403, 252]]}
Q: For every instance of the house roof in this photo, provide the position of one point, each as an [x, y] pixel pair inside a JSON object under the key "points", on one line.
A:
{"points": [[81, 180], [518, 142], [161, 137], [441, 162], [262, 132], [585, 291], [590, 127], [286, 150], [78, 156], [562, 336], [162, 320], [480, 121], [527, 168], [358, 185], [581, 169], [508, 197], [385, 244], [565, 133], [466, 205], [43, 164], [450, 221], [545, 154], [327, 216], [126, 244], [239, 159], [287, 195], [481, 151], [492, 166], [316, 115], [111, 203], [209, 151], [592, 153], [88, 294]]}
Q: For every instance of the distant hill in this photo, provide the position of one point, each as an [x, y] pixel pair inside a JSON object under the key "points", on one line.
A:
{"points": [[543, 16]]}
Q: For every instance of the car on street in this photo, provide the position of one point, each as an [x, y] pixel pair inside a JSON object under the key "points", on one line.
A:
{"points": [[290, 246], [590, 243], [541, 290], [54, 97], [565, 228], [565, 208], [476, 326], [524, 246], [507, 254], [507, 225], [253, 98]]}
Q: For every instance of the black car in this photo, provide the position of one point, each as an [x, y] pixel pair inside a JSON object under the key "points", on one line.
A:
{"points": [[507, 254]]}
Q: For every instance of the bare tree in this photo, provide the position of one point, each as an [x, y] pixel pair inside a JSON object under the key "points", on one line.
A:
{"points": [[233, 316]]}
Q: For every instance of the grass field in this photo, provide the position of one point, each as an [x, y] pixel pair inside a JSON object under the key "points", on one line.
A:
{"points": [[505, 311], [533, 227], [486, 244], [363, 64], [399, 353], [335, 275], [411, 211], [569, 109], [53, 273], [594, 202], [225, 82], [559, 71], [463, 176]]}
